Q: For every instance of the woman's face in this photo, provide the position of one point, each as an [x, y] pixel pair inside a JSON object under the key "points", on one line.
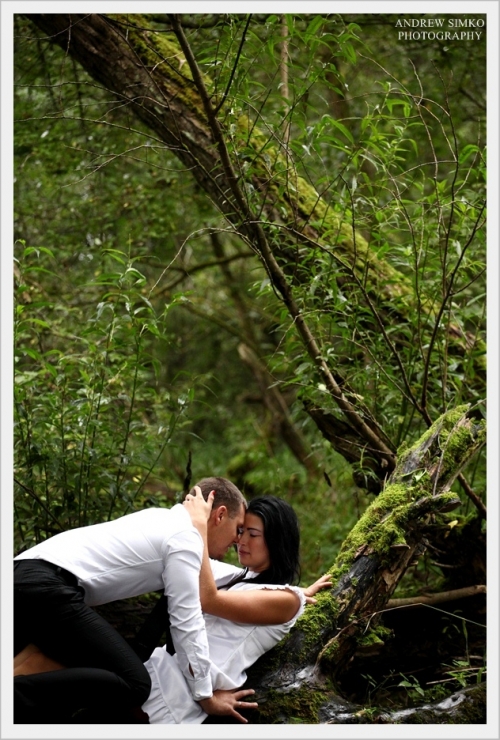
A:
{"points": [[252, 549]]}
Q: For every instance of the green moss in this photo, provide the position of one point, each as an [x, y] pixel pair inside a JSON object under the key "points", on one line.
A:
{"points": [[378, 528], [161, 55], [376, 636], [383, 524], [301, 705], [314, 621], [329, 652], [453, 442], [455, 446]]}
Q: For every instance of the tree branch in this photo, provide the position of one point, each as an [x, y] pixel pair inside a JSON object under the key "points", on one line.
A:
{"points": [[276, 274], [473, 497], [440, 598]]}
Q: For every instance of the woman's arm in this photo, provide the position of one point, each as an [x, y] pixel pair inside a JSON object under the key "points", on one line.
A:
{"points": [[259, 606], [255, 606]]}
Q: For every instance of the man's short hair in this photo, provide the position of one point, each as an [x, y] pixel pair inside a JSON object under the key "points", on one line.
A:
{"points": [[226, 494]]}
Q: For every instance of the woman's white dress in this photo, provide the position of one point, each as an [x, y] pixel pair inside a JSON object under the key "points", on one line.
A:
{"points": [[233, 648]]}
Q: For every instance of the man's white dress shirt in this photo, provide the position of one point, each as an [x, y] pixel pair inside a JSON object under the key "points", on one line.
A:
{"points": [[145, 551]]}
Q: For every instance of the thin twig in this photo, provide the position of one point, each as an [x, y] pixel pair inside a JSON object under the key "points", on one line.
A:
{"points": [[473, 497], [39, 501], [446, 298], [233, 71], [284, 77], [276, 274]]}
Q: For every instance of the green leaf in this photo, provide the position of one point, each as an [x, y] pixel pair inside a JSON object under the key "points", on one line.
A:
{"points": [[313, 27]]}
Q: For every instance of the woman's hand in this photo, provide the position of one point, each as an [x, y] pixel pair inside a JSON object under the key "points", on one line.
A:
{"points": [[227, 702], [199, 510], [323, 582]]}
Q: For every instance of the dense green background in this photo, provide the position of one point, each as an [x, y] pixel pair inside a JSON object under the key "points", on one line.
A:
{"points": [[133, 294]]}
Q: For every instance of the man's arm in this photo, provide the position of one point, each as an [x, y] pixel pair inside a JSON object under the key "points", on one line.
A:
{"points": [[181, 575], [187, 626]]}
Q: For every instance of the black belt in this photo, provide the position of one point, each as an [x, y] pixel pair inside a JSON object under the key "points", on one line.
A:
{"points": [[69, 577]]}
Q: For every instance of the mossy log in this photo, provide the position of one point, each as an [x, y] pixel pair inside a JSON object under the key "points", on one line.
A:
{"points": [[300, 677]]}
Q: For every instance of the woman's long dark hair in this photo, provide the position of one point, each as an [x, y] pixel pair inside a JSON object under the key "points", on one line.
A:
{"points": [[281, 533]]}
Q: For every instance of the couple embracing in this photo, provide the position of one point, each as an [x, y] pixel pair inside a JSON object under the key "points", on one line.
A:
{"points": [[71, 666]]}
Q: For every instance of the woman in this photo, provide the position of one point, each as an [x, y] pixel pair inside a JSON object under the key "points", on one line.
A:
{"points": [[247, 611], [250, 614]]}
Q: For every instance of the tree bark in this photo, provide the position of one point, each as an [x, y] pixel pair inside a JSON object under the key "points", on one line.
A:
{"points": [[440, 598]]}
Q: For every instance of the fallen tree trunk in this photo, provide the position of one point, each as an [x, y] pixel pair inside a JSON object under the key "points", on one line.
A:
{"points": [[300, 677]]}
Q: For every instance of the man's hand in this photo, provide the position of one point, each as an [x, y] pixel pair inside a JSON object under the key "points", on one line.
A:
{"points": [[227, 703], [199, 509]]}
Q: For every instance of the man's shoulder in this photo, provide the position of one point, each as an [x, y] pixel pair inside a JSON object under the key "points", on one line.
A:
{"points": [[156, 519], [160, 510], [152, 512], [171, 522], [166, 524]]}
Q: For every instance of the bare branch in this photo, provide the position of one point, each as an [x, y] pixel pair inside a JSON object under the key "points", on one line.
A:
{"points": [[440, 598]]}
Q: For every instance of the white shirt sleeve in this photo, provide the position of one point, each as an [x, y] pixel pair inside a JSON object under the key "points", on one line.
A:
{"points": [[181, 577]]}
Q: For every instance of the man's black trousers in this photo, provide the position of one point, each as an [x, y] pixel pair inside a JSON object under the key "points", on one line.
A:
{"points": [[102, 669]]}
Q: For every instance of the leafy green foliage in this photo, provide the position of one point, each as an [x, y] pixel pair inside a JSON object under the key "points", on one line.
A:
{"points": [[379, 165], [91, 422]]}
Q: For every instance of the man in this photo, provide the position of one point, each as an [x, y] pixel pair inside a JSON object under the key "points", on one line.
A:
{"points": [[58, 581]]}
